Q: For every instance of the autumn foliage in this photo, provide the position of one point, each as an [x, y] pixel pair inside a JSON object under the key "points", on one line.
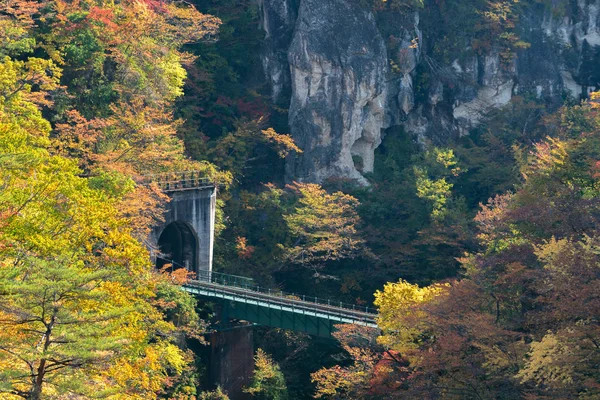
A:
{"points": [[522, 320], [86, 94]]}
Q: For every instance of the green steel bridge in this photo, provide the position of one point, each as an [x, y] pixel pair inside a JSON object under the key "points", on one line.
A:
{"points": [[185, 240], [241, 299]]}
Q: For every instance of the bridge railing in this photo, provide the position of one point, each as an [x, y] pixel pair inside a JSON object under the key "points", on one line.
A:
{"points": [[176, 181], [248, 284], [220, 278]]}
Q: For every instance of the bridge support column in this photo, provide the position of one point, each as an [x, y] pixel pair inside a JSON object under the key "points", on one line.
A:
{"points": [[232, 360]]}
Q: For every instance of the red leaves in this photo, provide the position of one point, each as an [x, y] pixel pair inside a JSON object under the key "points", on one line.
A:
{"points": [[252, 108], [158, 6], [244, 251], [104, 16], [596, 170]]}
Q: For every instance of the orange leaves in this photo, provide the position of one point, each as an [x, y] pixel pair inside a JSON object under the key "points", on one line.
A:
{"points": [[178, 276], [132, 142], [172, 23], [22, 10], [595, 100], [236, 150], [78, 290], [548, 156], [104, 16], [140, 139], [77, 137], [244, 251], [284, 143], [143, 207], [372, 373]]}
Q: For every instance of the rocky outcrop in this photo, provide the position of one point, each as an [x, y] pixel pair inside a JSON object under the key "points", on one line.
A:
{"points": [[563, 57], [407, 55], [485, 85], [338, 63], [576, 39], [278, 20], [347, 83]]}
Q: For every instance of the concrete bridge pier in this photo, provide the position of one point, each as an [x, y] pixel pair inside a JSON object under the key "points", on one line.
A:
{"points": [[232, 360]]}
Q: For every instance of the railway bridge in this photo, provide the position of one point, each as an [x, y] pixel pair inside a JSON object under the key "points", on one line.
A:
{"points": [[185, 240]]}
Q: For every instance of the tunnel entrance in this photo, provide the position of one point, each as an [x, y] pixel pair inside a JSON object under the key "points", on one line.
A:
{"points": [[178, 246]]}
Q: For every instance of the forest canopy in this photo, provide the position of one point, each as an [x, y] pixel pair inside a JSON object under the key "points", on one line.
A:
{"points": [[479, 251]]}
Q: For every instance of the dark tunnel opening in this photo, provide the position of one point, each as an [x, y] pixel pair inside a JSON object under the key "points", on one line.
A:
{"points": [[178, 246]]}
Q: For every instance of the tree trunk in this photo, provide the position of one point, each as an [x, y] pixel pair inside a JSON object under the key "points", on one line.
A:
{"points": [[36, 390]]}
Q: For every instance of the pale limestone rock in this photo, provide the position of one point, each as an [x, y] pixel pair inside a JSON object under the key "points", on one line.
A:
{"points": [[338, 65]]}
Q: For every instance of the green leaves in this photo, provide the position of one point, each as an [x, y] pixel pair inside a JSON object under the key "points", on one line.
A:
{"points": [[431, 179], [268, 382]]}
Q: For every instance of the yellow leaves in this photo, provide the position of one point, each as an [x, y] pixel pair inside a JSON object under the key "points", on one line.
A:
{"points": [[494, 232], [67, 253], [549, 249], [9, 74], [447, 159], [43, 73], [268, 380], [330, 381], [264, 365], [431, 179], [73, 255], [23, 131], [550, 362], [324, 224], [398, 304], [549, 155], [437, 191], [284, 143], [174, 74], [18, 77], [118, 294], [497, 359], [595, 100], [403, 295], [143, 377], [177, 23]]}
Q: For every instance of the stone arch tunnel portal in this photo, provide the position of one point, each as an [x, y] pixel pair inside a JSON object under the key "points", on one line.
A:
{"points": [[178, 244]]}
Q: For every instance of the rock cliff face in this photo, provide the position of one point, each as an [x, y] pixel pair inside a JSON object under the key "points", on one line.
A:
{"points": [[346, 86], [278, 21], [338, 65]]}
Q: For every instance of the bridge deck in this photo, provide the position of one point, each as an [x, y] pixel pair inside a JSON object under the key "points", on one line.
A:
{"points": [[262, 307], [336, 315]]}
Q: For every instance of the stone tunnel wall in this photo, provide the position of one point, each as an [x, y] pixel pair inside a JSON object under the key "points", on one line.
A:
{"points": [[196, 208]]}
